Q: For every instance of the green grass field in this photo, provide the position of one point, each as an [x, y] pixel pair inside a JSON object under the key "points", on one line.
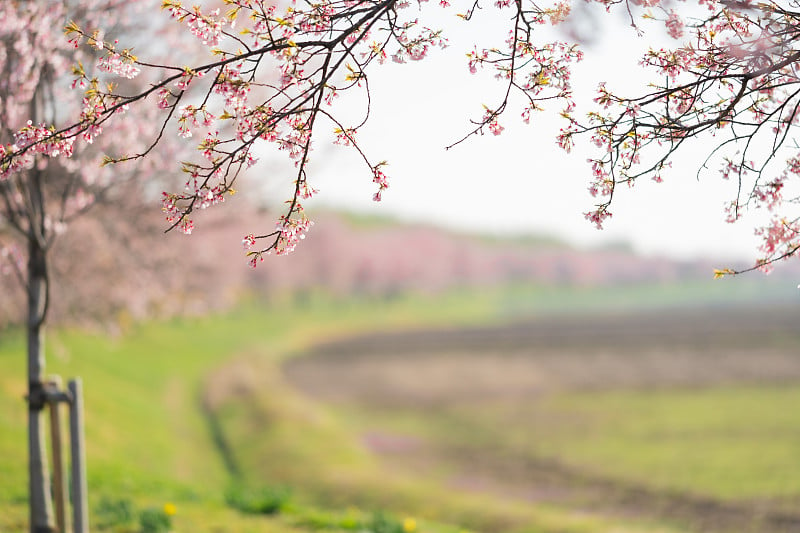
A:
{"points": [[150, 390], [148, 439], [731, 443]]}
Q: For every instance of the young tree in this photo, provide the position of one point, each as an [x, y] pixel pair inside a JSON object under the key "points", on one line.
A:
{"points": [[728, 79], [45, 194]]}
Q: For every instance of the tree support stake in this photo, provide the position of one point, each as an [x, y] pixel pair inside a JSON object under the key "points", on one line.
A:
{"points": [[50, 394]]}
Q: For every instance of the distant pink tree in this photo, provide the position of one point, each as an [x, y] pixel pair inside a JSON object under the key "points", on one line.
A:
{"points": [[273, 71]]}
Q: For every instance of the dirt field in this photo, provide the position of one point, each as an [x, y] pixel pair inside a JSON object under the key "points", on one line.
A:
{"points": [[691, 348], [432, 370]]}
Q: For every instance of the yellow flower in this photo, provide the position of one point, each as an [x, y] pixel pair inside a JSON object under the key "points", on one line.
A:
{"points": [[170, 509], [409, 525]]}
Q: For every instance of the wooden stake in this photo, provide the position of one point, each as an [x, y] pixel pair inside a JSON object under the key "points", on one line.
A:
{"points": [[59, 490], [80, 506]]}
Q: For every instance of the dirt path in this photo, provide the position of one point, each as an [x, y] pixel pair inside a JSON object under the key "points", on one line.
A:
{"points": [[522, 361]]}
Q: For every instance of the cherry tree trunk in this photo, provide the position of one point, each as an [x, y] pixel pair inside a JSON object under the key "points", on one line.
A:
{"points": [[41, 508]]}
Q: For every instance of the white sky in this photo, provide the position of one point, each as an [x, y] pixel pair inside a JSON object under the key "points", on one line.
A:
{"points": [[519, 182]]}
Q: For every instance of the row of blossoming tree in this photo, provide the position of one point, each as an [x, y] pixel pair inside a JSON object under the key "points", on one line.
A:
{"points": [[269, 72]]}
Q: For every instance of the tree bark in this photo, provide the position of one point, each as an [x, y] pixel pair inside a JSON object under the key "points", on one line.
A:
{"points": [[41, 507]]}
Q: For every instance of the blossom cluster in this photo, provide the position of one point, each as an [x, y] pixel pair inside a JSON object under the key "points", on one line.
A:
{"points": [[116, 64], [729, 83], [30, 140], [283, 110], [540, 72]]}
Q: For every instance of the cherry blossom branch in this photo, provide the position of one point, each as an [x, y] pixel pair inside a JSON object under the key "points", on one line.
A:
{"points": [[732, 77]]}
